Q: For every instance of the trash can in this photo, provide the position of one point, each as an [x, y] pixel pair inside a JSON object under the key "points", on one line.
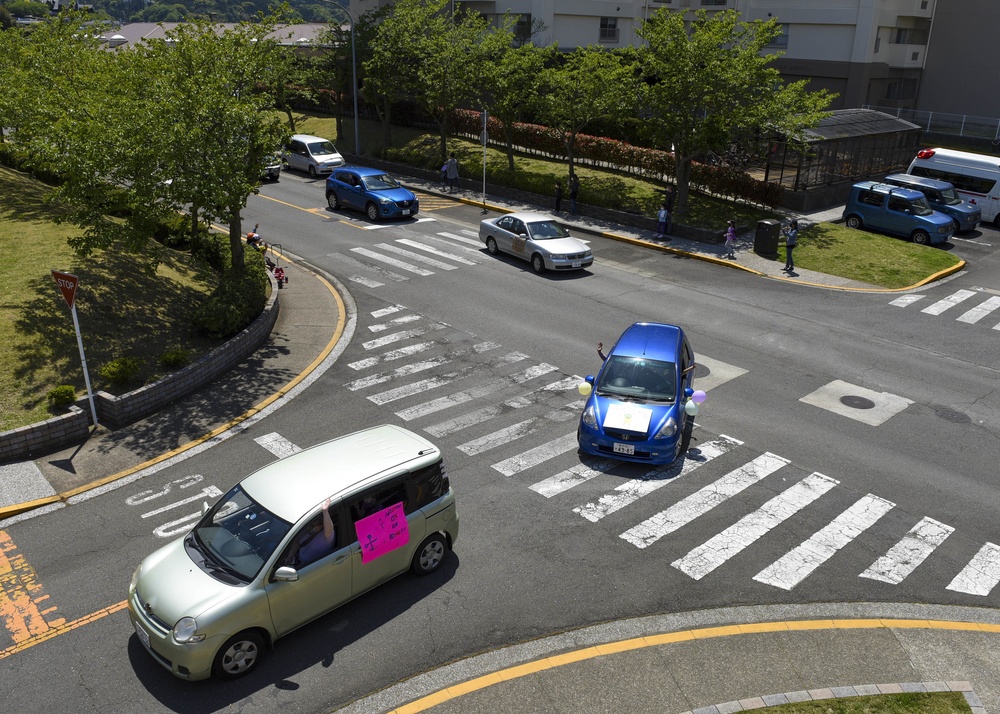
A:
{"points": [[765, 240]]}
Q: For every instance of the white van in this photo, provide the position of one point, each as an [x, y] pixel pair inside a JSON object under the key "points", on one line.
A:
{"points": [[313, 154], [976, 177]]}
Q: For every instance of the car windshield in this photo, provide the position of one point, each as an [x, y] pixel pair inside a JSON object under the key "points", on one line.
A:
{"points": [[382, 182], [238, 535], [921, 207], [543, 230], [639, 378], [322, 148], [950, 198]]}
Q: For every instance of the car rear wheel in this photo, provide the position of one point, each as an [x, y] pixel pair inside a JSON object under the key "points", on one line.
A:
{"points": [[853, 222], [429, 555], [537, 263], [239, 655], [372, 210], [491, 246], [921, 237], [332, 200]]}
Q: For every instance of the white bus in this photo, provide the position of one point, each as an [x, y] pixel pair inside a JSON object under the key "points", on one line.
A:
{"points": [[976, 177]]}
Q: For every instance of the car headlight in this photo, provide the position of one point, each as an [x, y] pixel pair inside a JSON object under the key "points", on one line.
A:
{"points": [[588, 254], [186, 630], [668, 429], [589, 417], [384, 201], [135, 579]]}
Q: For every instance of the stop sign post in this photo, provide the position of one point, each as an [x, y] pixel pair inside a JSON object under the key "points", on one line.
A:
{"points": [[68, 283]]}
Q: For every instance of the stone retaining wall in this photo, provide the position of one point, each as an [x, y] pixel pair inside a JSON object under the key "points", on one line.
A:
{"points": [[114, 412]]}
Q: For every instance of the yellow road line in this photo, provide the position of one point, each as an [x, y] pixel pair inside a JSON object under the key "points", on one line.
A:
{"points": [[586, 653]]}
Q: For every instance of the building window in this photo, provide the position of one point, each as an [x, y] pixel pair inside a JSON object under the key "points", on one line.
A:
{"points": [[908, 36], [878, 41], [522, 28], [609, 29], [782, 39], [915, 56], [901, 89], [923, 4], [714, 2]]}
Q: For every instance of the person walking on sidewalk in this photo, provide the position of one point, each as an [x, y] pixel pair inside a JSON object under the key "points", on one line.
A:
{"points": [[791, 238], [731, 239], [558, 196], [662, 222], [451, 171], [574, 191]]}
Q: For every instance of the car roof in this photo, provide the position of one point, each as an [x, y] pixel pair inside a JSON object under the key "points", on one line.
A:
{"points": [[361, 170], [912, 180], [308, 137], [889, 188], [291, 487], [530, 216], [650, 339]]}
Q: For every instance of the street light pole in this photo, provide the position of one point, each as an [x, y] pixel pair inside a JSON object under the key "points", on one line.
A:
{"points": [[354, 76]]}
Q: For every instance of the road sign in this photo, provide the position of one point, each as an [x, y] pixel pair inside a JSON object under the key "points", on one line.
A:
{"points": [[67, 285]]}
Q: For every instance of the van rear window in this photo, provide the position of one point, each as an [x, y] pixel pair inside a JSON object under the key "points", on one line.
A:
{"points": [[427, 485]]}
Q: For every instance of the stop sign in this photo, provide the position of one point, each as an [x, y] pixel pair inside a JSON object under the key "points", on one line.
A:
{"points": [[67, 285]]}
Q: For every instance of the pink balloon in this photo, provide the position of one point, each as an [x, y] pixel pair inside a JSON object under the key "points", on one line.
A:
{"points": [[698, 397]]}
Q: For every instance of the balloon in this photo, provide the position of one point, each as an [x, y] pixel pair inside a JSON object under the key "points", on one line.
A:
{"points": [[584, 388], [691, 408], [698, 396]]}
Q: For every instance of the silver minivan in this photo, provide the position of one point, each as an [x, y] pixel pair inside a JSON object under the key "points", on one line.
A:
{"points": [[289, 543], [312, 154]]}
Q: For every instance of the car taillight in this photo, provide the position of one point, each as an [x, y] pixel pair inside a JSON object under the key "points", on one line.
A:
{"points": [[925, 153]]}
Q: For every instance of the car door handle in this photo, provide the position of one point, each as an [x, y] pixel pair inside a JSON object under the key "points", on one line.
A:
{"points": [[341, 559]]}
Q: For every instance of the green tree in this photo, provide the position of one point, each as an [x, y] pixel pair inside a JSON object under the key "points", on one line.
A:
{"points": [[706, 84], [587, 85]]}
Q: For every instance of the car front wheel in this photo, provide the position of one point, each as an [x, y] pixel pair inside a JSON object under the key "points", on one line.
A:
{"points": [[491, 246], [332, 200], [853, 222], [537, 263], [921, 238], [372, 211], [239, 655], [429, 555], [312, 171]]}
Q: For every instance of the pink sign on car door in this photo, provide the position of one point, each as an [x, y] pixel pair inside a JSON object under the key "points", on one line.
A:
{"points": [[382, 532]]}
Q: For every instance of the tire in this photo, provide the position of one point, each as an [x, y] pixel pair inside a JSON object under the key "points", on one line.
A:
{"points": [[429, 555], [239, 655], [491, 246], [956, 227], [332, 200], [372, 210], [312, 171], [921, 237], [537, 263], [853, 222]]}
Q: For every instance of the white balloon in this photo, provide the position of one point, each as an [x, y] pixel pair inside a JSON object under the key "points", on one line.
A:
{"points": [[691, 408]]}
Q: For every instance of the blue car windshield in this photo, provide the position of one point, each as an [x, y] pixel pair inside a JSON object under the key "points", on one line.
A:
{"points": [[383, 182], [542, 230], [639, 378]]}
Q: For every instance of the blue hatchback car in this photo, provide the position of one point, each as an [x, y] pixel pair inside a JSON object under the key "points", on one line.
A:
{"points": [[372, 191], [636, 409]]}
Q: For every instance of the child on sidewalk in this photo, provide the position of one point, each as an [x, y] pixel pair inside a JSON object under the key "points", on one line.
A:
{"points": [[662, 219], [731, 239]]}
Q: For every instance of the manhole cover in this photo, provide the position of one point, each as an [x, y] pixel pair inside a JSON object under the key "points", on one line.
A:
{"points": [[701, 371], [952, 415], [854, 402]]}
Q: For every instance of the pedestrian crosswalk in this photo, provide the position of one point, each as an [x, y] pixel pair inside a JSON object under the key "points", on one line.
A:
{"points": [[969, 306], [518, 416], [406, 258]]}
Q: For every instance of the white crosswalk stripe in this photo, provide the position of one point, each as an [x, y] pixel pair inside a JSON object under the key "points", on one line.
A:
{"points": [[377, 269], [701, 502], [383, 326], [981, 574], [410, 255], [436, 251], [702, 560], [442, 239], [416, 367], [949, 302], [980, 311], [391, 310], [391, 355], [536, 456], [392, 261], [904, 557], [462, 239], [631, 491], [574, 476], [511, 433], [424, 385], [277, 445], [400, 336], [367, 282], [905, 300], [796, 565]]}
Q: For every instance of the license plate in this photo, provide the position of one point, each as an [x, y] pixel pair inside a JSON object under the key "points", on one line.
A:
{"points": [[143, 635], [576, 263], [406, 211], [627, 449]]}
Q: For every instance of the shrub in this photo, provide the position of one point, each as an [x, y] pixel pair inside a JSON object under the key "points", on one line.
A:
{"points": [[175, 358], [237, 300], [62, 396], [122, 370]]}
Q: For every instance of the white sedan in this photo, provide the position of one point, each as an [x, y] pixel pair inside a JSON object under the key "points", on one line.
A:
{"points": [[537, 238]]}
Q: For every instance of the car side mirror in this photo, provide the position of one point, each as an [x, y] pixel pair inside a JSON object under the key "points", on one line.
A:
{"points": [[523, 235], [688, 392], [204, 507], [285, 574], [589, 379]]}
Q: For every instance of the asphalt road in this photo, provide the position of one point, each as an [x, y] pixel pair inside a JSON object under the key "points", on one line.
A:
{"points": [[836, 424]]}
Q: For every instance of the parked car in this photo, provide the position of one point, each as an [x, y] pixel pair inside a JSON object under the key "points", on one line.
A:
{"points": [[272, 172], [636, 409], [312, 154], [901, 212], [943, 198], [537, 238], [372, 191], [289, 543]]}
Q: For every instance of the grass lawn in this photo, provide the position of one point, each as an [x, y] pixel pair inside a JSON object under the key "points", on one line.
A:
{"points": [[123, 311], [925, 703]]}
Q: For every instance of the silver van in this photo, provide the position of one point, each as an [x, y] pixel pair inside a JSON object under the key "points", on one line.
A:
{"points": [[312, 154], [289, 543], [942, 198]]}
